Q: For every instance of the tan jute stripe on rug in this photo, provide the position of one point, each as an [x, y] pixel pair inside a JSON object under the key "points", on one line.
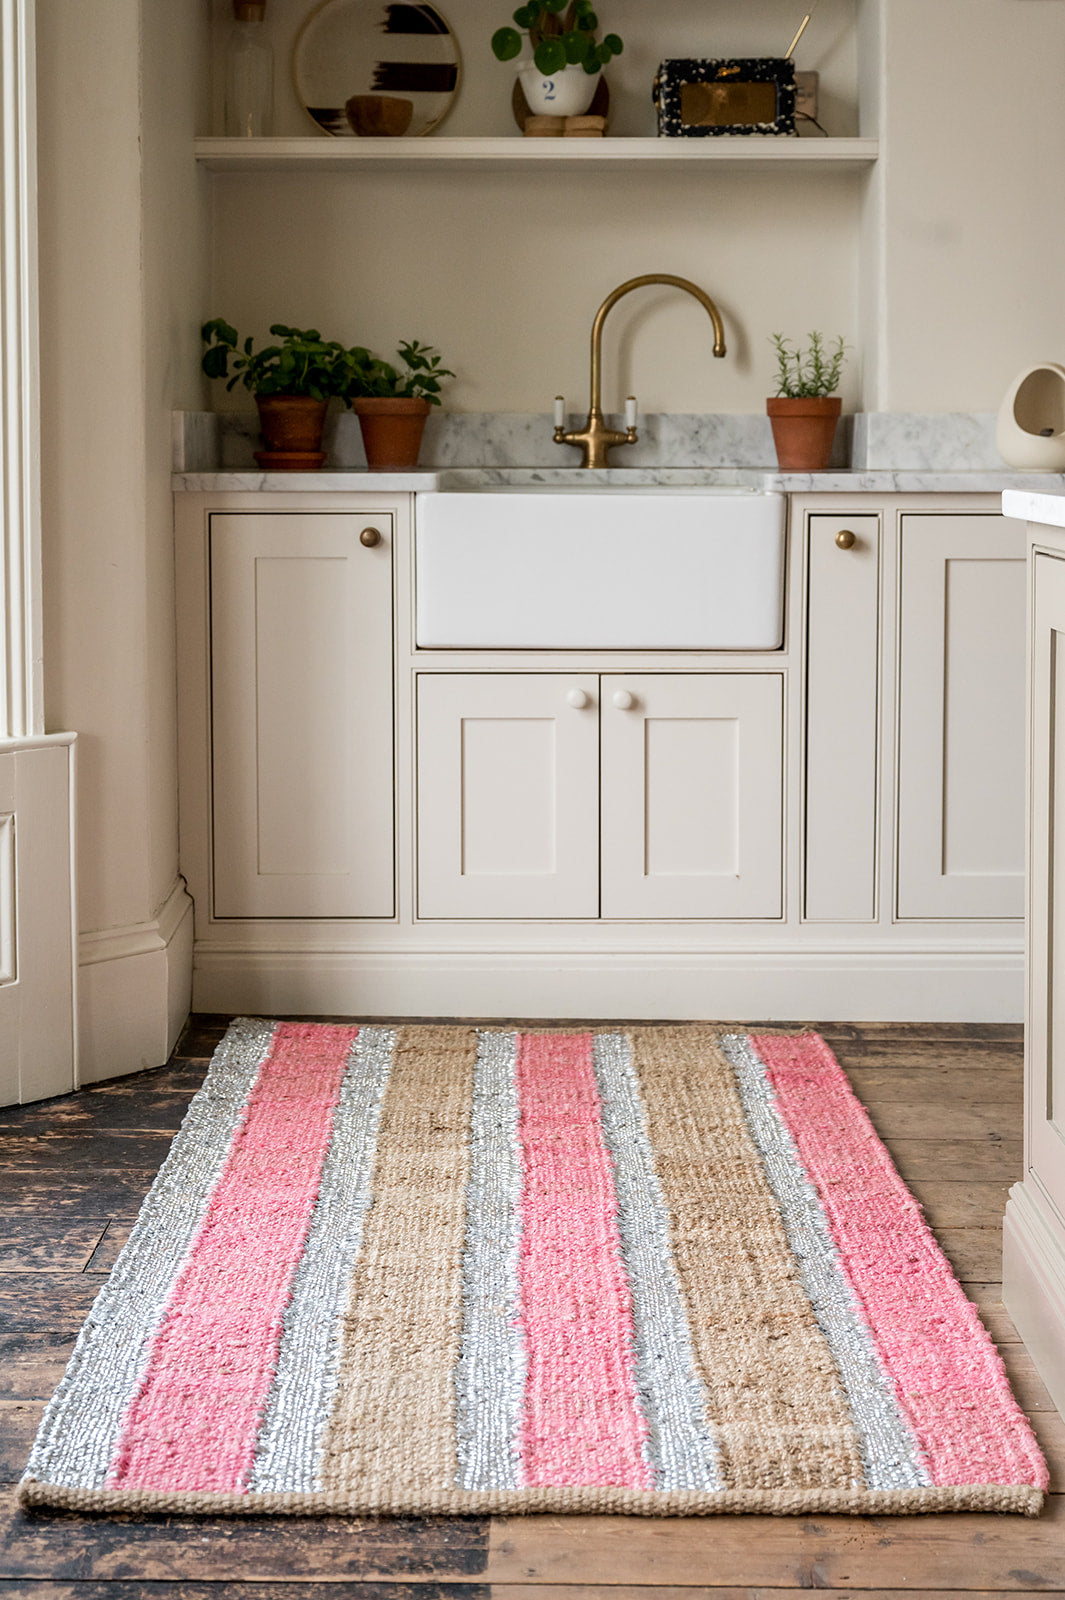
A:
{"points": [[394, 1425], [764, 1361]]}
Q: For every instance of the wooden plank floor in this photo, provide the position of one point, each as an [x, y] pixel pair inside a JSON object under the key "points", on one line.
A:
{"points": [[947, 1100]]}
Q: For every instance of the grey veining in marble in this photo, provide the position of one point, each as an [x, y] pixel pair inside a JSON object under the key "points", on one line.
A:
{"points": [[353, 481], [937, 441], [904, 452], [508, 439]]}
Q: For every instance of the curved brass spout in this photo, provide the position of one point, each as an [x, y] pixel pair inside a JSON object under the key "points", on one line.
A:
{"points": [[596, 439]]}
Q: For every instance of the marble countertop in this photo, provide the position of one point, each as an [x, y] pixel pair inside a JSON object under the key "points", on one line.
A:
{"points": [[1032, 506], [1043, 487]]}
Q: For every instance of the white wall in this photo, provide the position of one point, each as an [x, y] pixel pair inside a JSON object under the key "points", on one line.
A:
{"points": [[504, 271], [971, 235], [123, 269], [940, 268]]}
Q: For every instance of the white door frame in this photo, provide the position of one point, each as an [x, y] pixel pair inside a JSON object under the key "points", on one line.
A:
{"points": [[37, 922]]}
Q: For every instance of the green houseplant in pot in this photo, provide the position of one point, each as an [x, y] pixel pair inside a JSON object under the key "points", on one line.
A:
{"points": [[567, 58], [292, 382], [393, 402], [805, 409]]}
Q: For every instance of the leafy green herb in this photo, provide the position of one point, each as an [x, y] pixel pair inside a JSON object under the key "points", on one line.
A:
{"points": [[810, 374], [302, 364], [371, 378], [558, 40], [306, 364]]}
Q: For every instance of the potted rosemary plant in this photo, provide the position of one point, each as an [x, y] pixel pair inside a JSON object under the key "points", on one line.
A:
{"points": [[567, 58], [292, 383], [392, 402], [805, 409]]}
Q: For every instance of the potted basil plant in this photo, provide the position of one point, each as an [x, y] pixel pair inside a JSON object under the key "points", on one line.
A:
{"points": [[805, 409], [393, 402], [567, 58], [292, 382]]}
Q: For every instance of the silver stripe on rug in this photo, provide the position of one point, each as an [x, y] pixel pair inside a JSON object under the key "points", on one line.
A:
{"points": [[682, 1449], [80, 1428], [299, 1406], [490, 1372], [891, 1455]]}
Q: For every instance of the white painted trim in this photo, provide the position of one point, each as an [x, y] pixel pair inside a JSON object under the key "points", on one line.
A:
{"points": [[134, 991], [21, 630], [758, 985], [139, 938], [1033, 1282]]}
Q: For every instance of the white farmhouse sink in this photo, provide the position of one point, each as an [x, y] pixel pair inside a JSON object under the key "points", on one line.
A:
{"points": [[611, 569]]}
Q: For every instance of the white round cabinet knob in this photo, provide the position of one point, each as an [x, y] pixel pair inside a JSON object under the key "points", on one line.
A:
{"points": [[577, 699], [623, 699]]}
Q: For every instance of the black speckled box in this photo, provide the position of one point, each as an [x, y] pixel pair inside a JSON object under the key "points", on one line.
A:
{"points": [[700, 99]]}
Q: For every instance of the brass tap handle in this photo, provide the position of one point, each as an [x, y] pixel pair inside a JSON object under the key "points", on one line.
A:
{"points": [[846, 539], [370, 537]]}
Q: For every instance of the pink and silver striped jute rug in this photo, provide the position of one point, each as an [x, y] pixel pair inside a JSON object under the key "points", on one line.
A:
{"points": [[664, 1270]]}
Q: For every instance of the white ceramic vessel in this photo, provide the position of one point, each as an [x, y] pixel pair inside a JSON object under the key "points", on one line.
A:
{"points": [[568, 93], [609, 569], [1030, 434]]}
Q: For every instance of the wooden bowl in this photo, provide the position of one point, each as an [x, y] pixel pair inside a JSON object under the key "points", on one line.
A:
{"points": [[379, 115]]}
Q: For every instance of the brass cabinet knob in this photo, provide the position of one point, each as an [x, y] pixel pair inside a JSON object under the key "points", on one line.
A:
{"points": [[846, 539], [370, 537]]}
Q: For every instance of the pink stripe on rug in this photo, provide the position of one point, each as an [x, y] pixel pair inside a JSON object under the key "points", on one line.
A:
{"points": [[582, 1422], [948, 1375], [194, 1421]]}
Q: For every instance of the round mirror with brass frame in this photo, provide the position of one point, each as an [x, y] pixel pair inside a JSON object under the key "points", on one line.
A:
{"points": [[367, 69]]}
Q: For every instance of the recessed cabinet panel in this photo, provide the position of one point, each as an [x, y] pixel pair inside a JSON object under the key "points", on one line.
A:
{"points": [[842, 654], [692, 774], [1045, 1031], [302, 737], [961, 717], [508, 775]]}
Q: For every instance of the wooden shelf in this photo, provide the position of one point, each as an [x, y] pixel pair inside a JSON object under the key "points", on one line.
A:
{"points": [[335, 155]]}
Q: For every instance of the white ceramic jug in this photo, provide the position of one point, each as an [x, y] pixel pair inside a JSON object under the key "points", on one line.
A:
{"points": [[1031, 420]]}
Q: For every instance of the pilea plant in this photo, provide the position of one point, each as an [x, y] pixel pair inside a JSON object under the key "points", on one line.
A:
{"points": [[302, 364], [809, 374], [561, 35]]}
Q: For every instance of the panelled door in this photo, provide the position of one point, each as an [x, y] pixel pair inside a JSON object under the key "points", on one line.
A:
{"points": [[692, 795], [842, 698], [961, 717], [508, 778], [1045, 1031], [302, 763]]}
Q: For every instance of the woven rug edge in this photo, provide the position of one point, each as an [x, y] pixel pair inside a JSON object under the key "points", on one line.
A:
{"points": [[1017, 1499]]}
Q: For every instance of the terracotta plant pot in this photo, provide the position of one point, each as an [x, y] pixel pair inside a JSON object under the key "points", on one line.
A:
{"points": [[391, 431], [291, 426], [804, 431]]}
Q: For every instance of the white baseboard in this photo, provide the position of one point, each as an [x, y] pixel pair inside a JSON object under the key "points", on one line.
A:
{"points": [[1033, 1282], [885, 986], [134, 991]]}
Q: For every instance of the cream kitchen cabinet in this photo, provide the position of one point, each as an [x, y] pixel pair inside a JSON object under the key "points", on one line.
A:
{"points": [[843, 637], [961, 716], [373, 826], [294, 798], [572, 795], [1034, 1233]]}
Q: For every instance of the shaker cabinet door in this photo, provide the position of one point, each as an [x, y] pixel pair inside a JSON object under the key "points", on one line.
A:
{"points": [[1045, 1031], [961, 717], [842, 698], [692, 804], [302, 785], [508, 777]]}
